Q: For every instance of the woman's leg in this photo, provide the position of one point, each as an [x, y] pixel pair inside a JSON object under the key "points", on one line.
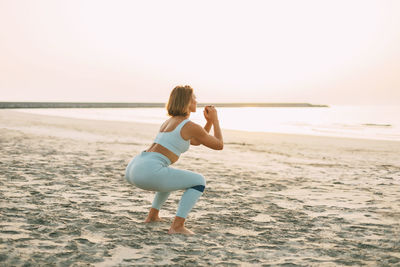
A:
{"points": [[158, 202], [189, 198], [159, 199], [155, 176], [194, 184], [170, 179]]}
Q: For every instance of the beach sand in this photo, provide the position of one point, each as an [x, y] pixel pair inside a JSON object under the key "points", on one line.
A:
{"points": [[271, 199]]}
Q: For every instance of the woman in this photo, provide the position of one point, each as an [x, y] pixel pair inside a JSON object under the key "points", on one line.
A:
{"points": [[150, 170]]}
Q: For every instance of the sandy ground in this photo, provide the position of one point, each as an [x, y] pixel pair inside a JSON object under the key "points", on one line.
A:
{"points": [[271, 199]]}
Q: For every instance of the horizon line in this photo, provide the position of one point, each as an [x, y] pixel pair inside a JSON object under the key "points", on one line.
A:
{"points": [[12, 105]]}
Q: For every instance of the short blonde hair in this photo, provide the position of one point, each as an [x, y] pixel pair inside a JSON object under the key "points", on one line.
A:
{"points": [[179, 100]]}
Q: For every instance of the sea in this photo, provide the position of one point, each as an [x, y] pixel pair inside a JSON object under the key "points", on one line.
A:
{"points": [[365, 122]]}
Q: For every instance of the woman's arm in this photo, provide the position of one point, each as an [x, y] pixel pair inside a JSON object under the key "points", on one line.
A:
{"points": [[207, 128], [218, 134], [201, 136]]}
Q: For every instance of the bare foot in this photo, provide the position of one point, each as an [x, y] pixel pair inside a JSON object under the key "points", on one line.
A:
{"points": [[181, 230], [156, 219]]}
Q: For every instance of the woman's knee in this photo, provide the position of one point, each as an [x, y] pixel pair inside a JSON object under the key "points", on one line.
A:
{"points": [[202, 180], [200, 183]]}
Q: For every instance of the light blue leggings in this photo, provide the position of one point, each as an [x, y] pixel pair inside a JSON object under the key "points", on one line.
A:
{"points": [[151, 171]]}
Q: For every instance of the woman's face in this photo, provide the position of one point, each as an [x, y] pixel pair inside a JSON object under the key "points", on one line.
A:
{"points": [[193, 104]]}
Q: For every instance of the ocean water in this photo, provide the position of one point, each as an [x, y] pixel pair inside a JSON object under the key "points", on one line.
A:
{"points": [[366, 122]]}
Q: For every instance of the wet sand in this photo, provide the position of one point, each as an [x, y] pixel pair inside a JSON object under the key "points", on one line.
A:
{"points": [[271, 199]]}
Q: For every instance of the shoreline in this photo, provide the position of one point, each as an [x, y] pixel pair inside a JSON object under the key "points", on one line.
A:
{"points": [[306, 135]]}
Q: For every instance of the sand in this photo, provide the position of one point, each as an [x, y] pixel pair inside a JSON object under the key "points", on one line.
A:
{"points": [[271, 199]]}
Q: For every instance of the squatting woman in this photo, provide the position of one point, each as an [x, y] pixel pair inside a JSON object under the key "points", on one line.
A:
{"points": [[150, 170]]}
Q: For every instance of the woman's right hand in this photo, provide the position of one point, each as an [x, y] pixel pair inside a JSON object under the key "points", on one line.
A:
{"points": [[210, 113]]}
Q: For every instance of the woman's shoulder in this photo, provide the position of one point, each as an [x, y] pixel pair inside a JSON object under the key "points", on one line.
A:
{"points": [[193, 127], [174, 122], [191, 123], [191, 130]]}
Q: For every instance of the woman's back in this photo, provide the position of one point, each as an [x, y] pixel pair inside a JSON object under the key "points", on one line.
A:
{"points": [[171, 124], [171, 138]]}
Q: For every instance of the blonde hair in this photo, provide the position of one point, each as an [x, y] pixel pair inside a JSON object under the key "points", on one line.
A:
{"points": [[179, 100]]}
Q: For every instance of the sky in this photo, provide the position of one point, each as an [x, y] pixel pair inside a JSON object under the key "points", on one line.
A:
{"points": [[344, 52]]}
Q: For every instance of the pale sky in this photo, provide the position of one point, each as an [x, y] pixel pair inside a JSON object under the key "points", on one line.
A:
{"points": [[321, 52]]}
